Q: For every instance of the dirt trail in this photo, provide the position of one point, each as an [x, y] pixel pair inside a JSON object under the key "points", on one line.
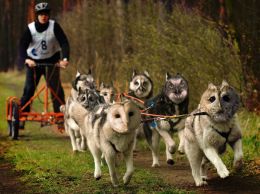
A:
{"points": [[180, 176], [9, 179]]}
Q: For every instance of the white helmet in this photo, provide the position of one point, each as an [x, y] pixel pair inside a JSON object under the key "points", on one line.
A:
{"points": [[41, 7]]}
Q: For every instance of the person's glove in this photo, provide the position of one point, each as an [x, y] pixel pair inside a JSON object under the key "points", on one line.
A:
{"points": [[63, 63], [31, 63]]}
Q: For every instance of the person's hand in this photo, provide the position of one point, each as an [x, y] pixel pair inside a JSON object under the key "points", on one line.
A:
{"points": [[63, 64], [31, 63]]}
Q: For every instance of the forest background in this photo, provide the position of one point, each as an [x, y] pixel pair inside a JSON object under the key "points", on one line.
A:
{"points": [[205, 41]]}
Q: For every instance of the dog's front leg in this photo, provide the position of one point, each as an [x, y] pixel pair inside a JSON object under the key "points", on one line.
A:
{"points": [[204, 168], [181, 144], [96, 153], [194, 155], [83, 145], [169, 158], [180, 127], [214, 158], [167, 139], [238, 154], [110, 157], [72, 139], [154, 146], [128, 155]]}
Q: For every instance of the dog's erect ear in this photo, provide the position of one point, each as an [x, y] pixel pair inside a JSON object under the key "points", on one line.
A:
{"points": [[211, 86], [146, 73], [89, 71], [167, 76], [78, 73], [134, 73], [224, 84], [101, 86]]}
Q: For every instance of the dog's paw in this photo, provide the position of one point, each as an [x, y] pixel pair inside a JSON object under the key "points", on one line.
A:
{"points": [[126, 179], [181, 152], [238, 165], [181, 149], [97, 174], [172, 149], [155, 165], [115, 183], [81, 150], [224, 173], [75, 151], [204, 178], [201, 183], [170, 161]]}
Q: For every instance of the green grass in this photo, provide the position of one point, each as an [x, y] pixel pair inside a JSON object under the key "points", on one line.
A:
{"points": [[45, 158]]}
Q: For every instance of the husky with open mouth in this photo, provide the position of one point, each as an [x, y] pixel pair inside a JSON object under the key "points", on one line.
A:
{"points": [[172, 100]]}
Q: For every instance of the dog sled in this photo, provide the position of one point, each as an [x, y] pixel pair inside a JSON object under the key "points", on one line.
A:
{"points": [[15, 114]]}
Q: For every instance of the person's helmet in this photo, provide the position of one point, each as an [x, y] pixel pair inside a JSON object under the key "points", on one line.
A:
{"points": [[42, 7]]}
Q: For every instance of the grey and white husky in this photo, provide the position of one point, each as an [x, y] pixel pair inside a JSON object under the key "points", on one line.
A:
{"points": [[83, 81], [108, 92], [141, 86], [110, 129], [81, 84], [172, 100], [206, 136]]}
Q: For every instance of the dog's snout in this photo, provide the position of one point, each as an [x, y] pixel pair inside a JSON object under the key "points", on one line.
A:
{"points": [[92, 87], [177, 91], [220, 111], [91, 98]]}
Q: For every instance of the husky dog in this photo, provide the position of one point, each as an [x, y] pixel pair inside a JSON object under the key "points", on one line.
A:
{"points": [[173, 100], [206, 136], [141, 86], [83, 81], [107, 91], [110, 129], [87, 99]]}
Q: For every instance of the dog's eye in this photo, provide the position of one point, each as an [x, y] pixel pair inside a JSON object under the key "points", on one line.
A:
{"points": [[212, 99], [145, 83], [117, 116], [171, 86], [226, 98], [136, 83], [130, 114], [82, 98]]}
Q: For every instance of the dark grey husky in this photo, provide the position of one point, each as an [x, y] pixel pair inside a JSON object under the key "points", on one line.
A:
{"points": [[172, 100]]}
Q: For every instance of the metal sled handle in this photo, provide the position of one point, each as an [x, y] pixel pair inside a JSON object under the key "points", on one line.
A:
{"points": [[45, 64]]}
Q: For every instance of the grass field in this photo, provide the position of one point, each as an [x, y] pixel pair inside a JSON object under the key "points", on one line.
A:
{"points": [[45, 158]]}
